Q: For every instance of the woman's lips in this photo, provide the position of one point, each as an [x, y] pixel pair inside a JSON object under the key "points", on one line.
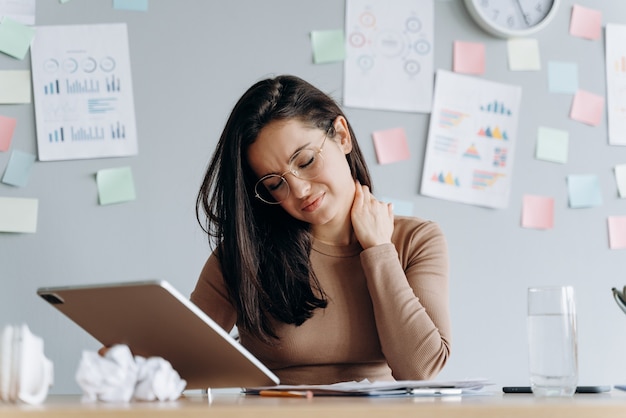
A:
{"points": [[312, 205]]}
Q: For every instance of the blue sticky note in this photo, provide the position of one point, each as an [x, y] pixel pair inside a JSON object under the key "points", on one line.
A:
{"points": [[400, 207], [135, 5], [15, 38], [328, 46], [562, 77], [18, 169], [584, 191]]}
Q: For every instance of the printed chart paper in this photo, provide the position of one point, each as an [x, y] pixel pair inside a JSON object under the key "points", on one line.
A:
{"points": [[471, 140], [616, 82], [83, 92], [389, 55]]}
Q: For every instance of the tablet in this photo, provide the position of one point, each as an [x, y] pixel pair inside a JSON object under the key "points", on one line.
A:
{"points": [[154, 319]]}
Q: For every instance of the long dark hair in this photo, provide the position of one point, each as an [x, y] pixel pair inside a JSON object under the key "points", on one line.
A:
{"points": [[263, 251]]}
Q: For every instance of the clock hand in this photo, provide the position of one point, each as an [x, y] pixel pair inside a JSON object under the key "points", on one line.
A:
{"points": [[524, 15]]}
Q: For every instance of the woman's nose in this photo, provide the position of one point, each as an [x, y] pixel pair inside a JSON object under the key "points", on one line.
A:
{"points": [[299, 187]]}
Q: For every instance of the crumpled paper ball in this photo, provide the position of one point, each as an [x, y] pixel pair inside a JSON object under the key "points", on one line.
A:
{"points": [[117, 376]]}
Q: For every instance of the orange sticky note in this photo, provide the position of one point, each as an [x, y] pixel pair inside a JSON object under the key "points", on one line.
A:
{"points": [[469, 57], [538, 212], [585, 23], [391, 145], [587, 108], [7, 127], [617, 232]]}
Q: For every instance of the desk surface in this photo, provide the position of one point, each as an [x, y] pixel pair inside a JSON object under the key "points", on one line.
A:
{"points": [[491, 404]]}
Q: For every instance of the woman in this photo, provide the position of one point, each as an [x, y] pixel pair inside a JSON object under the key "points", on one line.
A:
{"points": [[323, 283]]}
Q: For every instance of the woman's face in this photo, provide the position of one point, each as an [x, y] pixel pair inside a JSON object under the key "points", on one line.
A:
{"points": [[320, 200]]}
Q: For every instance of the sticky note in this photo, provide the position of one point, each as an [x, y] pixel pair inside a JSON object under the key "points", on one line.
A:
{"points": [[552, 145], [620, 179], [562, 77], [18, 169], [617, 232], [400, 207], [14, 86], [585, 23], [7, 127], [538, 212], [587, 108], [18, 214], [523, 54], [584, 191], [328, 46], [469, 57], [115, 185], [15, 38], [134, 5], [391, 145]]}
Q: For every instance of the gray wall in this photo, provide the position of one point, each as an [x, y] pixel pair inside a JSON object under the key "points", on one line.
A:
{"points": [[191, 59]]}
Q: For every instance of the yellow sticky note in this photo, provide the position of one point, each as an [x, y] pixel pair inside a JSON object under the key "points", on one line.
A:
{"points": [[18, 214], [115, 185], [552, 145], [523, 54], [15, 86]]}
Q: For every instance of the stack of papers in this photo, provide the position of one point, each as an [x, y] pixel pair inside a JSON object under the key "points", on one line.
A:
{"points": [[378, 388]]}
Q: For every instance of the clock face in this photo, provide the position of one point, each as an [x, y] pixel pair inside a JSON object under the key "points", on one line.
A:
{"points": [[512, 17]]}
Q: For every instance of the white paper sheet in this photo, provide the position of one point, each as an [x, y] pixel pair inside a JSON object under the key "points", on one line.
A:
{"points": [[616, 82], [83, 92], [22, 11], [389, 54], [471, 140]]}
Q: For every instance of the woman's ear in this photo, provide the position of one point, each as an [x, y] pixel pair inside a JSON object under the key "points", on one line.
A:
{"points": [[342, 134]]}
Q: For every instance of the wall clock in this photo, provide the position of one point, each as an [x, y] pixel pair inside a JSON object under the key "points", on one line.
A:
{"points": [[512, 18]]}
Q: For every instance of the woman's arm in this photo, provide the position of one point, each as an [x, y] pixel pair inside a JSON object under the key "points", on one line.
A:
{"points": [[408, 284], [211, 295]]}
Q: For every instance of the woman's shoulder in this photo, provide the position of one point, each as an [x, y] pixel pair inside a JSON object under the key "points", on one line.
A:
{"points": [[411, 228]]}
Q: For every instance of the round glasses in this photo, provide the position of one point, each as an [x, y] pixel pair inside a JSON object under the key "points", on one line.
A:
{"points": [[305, 164]]}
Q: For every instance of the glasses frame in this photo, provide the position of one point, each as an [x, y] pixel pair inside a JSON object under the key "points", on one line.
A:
{"points": [[293, 172]]}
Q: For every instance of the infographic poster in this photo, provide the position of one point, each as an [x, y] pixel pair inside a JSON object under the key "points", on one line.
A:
{"points": [[389, 55], [471, 140], [83, 92]]}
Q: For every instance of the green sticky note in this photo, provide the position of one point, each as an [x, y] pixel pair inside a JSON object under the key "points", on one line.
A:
{"points": [[15, 38], [115, 185], [552, 145], [328, 46], [135, 5]]}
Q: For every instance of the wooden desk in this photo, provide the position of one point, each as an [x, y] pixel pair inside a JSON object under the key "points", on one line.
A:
{"points": [[494, 405]]}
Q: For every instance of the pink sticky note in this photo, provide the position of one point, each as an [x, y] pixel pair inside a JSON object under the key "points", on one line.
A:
{"points": [[391, 145], [7, 126], [469, 57], [538, 212], [587, 108], [617, 232], [585, 23]]}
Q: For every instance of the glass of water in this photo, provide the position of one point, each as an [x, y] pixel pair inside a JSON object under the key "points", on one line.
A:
{"points": [[552, 341]]}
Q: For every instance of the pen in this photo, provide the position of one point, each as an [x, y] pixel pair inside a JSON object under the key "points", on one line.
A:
{"points": [[287, 393]]}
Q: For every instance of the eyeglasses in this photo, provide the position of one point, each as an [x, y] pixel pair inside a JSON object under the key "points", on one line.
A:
{"points": [[305, 164]]}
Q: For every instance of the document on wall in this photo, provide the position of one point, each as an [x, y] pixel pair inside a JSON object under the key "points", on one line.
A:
{"points": [[471, 140], [22, 11], [83, 92], [616, 82], [389, 55]]}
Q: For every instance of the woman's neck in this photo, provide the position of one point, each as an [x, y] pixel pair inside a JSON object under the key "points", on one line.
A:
{"points": [[333, 234]]}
